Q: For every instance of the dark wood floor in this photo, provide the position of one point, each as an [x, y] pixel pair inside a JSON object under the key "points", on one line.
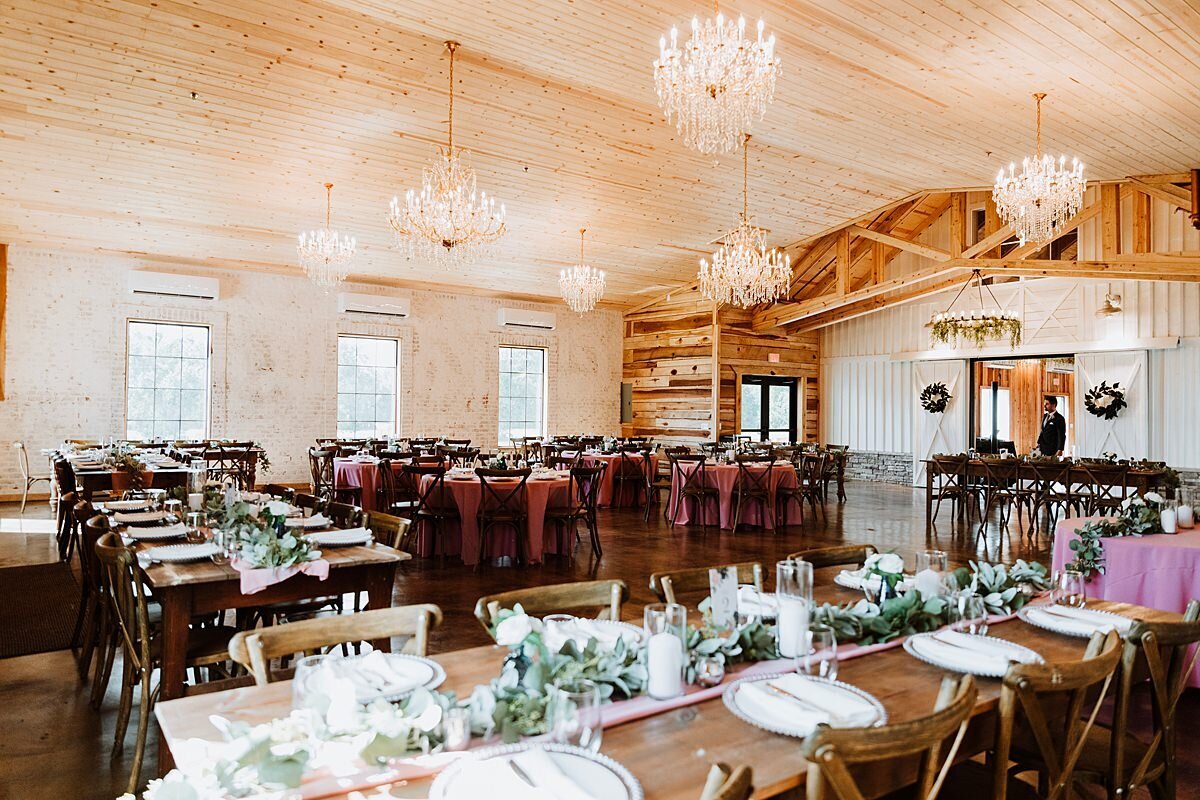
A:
{"points": [[54, 745]]}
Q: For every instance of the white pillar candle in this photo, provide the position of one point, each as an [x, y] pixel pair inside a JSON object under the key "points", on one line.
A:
{"points": [[196, 501], [1169, 520], [1185, 517], [792, 626], [664, 662]]}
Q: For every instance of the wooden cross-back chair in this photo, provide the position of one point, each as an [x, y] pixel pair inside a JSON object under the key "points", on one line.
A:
{"points": [[1043, 724], [395, 490], [502, 503], [583, 495], [667, 585], [1002, 489], [607, 595], [727, 783], [950, 483], [320, 468], [396, 455], [434, 506], [846, 555], [1048, 488], [564, 462], [692, 484], [753, 485], [631, 477], [235, 462], [256, 649], [344, 515], [395, 532], [280, 491], [66, 526], [1163, 655], [1105, 487], [140, 646], [831, 752]]}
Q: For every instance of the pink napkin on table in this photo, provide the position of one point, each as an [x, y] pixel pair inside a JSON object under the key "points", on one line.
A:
{"points": [[256, 579]]}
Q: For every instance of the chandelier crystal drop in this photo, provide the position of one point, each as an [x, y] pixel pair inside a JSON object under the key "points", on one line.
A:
{"points": [[448, 221], [1044, 196], [718, 84], [744, 272], [581, 285], [325, 256]]}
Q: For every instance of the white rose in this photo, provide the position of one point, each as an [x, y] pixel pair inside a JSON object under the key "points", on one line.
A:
{"points": [[1154, 497], [1104, 401], [871, 561], [865, 608], [890, 563], [928, 583], [514, 629], [278, 508]]}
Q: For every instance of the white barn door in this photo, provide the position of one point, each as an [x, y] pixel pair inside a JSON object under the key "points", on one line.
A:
{"points": [[945, 432], [1129, 434]]}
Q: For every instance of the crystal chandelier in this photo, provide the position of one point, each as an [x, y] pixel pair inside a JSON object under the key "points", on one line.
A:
{"points": [[1044, 196], [743, 271], [324, 255], [447, 221], [581, 286], [978, 325], [718, 85]]}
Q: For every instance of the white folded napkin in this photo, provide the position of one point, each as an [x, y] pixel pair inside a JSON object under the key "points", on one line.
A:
{"points": [[580, 630], [752, 602], [335, 536], [857, 579], [967, 653], [315, 521], [375, 673], [1079, 620], [839, 708], [496, 779]]}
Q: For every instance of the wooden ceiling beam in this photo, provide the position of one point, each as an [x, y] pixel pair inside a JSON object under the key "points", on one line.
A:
{"points": [[923, 250], [1168, 193]]}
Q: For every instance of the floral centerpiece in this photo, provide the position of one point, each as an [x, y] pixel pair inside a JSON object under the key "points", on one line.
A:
{"points": [[889, 567], [128, 466]]}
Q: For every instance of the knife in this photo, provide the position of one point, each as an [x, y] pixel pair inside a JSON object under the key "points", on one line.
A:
{"points": [[522, 774]]}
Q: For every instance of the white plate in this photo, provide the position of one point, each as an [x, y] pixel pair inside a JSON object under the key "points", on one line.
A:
{"points": [[1071, 627], [410, 673], [596, 773], [125, 505], [731, 702], [139, 517], [912, 643], [155, 534], [340, 538], [315, 521], [179, 553]]}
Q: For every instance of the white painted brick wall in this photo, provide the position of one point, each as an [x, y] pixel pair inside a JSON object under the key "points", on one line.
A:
{"points": [[274, 363]]}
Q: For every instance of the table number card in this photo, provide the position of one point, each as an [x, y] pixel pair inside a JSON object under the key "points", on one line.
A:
{"points": [[723, 590]]}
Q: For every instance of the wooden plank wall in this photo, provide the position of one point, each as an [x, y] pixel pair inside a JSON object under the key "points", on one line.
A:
{"points": [[671, 351]]}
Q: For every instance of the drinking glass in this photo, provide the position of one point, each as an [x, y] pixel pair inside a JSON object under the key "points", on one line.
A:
{"points": [[1070, 589], [936, 560], [793, 590], [174, 509], [224, 543], [821, 659], [972, 614], [666, 629], [710, 671], [456, 728], [307, 669], [749, 607], [195, 521], [574, 716]]}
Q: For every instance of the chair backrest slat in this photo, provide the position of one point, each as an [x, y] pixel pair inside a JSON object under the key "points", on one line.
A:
{"points": [[607, 595]]}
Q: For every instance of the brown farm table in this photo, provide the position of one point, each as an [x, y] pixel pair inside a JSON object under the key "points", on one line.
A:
{"points": [[202, 587], [93, 481], [1141, 480], [689, 738]]}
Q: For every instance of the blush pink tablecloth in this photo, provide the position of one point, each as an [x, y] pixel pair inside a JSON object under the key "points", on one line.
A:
{"points": [[613, 460], [462, 538], [1161, 571], [723, 477], [348, 473]]}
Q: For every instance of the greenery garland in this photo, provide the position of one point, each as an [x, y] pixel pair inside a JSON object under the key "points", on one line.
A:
{"points": [[1140, 516], [935, 397], [978, 331], [1105, 401]]}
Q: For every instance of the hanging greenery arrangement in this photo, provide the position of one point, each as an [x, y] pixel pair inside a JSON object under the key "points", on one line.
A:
{"points": [[978, 326], [935, 398], [1105, 401]]}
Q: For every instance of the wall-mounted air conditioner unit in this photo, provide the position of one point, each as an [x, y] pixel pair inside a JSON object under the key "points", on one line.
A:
{"points": [[163, 284], [375, 305], [529, 320]]}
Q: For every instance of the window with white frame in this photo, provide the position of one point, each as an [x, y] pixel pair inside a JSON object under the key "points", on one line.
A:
{"points": [[166, 381], [522, 392], [368, 369]]}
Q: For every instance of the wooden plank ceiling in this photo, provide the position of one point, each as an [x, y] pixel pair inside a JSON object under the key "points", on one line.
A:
{"points": [[201, 132]]}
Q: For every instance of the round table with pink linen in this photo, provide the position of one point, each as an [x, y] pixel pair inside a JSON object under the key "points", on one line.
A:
{"points": [[1160, 571], [605, 498], [461, 537], [349, 473], [724, 477]]}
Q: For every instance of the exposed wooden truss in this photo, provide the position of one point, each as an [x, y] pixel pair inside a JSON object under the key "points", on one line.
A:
{"points": [[844, 273]]}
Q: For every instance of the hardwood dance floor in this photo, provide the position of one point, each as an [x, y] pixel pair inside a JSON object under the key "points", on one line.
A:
{"points": [[55, 745]]}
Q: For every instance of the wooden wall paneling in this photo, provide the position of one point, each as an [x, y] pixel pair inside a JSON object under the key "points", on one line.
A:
{"points": [[3, 316], [1141, 239], [1110, 220]]}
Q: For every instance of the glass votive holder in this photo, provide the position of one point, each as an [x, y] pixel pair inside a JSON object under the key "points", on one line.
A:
{"points": [[456, 728], [710, 671]]}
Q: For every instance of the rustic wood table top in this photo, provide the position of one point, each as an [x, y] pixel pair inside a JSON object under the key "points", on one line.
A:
{"points": [[670, 752]]}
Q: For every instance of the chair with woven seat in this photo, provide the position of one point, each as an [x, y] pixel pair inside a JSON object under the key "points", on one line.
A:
{"points": [[753, 485], [690, 482], [395, 532], [141, 644], [668, 586], [849, 555], [434, 507], [1043, 724], [726, 783], [256, 649], [1161, 657], [582, 499], [503, 503], [607, 596], [831, 752], [28, 478]]}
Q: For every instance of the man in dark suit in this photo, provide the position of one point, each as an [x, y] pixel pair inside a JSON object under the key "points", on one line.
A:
{"points": [[1052, 439]]}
